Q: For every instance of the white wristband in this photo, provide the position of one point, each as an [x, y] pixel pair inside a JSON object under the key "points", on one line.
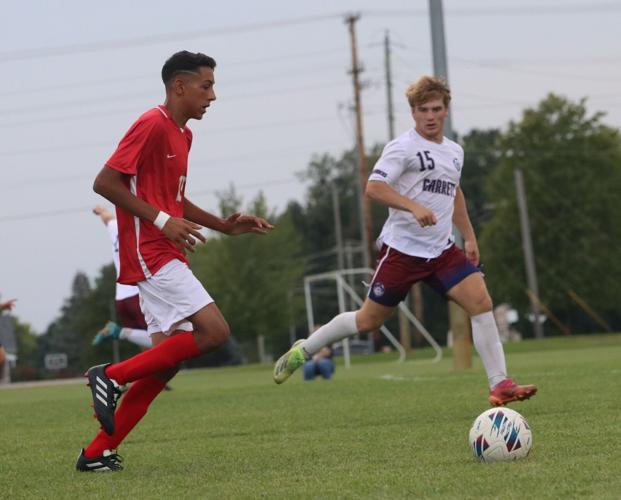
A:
{"points": [[161, 220]]}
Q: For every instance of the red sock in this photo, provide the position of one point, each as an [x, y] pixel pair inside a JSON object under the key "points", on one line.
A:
{"points": [[166, 355], [134, 405]]}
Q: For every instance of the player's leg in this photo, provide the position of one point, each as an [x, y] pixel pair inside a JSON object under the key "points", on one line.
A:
{"points": [[211, 331], [133, 408], [110, 331], [139, 337], [389, 286], [368, 318], [131, 318], [169, 298], [472, 295]]}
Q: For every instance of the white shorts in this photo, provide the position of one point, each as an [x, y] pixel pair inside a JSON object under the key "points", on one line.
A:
{"points": [[171, 295]]}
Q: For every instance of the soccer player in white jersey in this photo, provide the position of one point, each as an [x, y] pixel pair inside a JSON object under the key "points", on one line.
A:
{"points": [[417, 177], [131, 323]]}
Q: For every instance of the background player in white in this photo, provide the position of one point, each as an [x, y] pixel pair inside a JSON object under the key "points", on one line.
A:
{"points": [[417, 176], [132, 325]]}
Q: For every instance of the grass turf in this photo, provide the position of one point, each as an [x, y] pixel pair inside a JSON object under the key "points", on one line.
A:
{"points": [[377, 430]]}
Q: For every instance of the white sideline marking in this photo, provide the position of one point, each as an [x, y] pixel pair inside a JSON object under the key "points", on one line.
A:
{"points": [[391, 377]]}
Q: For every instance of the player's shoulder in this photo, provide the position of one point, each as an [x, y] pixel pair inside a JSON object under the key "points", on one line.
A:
{"points": [[399, 143], [153, 117], [452, 145]]}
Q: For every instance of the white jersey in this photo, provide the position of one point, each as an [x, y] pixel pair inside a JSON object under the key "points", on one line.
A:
{"points": [[428, 173], [122, 291]]}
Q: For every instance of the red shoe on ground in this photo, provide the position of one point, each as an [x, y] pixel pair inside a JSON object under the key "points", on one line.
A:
{"points": [[507, 391]]}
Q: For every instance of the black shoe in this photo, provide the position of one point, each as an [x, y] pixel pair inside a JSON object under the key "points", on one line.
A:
{"points": [[105, 392], [107, 462]]}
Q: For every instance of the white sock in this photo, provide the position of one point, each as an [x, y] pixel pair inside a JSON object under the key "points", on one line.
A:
{"points": [[341, 326], [135, 336], [489, 347]]}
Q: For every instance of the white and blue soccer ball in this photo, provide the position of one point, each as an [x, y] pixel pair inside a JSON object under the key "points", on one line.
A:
{"points": [[500, 435]]}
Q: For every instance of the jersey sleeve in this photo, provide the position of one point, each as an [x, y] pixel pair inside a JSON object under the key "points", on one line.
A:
{"points": [[126, 158], [390, 165]]}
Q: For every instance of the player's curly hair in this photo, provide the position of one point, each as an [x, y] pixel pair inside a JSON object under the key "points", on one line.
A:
{"points": [[427, 88], [183, 61]]}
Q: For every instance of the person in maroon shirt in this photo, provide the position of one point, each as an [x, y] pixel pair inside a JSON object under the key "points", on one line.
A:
{"points": [[145, 180]]}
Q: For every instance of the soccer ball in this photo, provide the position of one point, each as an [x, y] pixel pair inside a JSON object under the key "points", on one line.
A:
{"points": [[500, 434]]}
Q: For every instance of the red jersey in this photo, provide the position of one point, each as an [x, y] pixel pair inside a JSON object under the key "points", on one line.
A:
{"points": [[154, 155]]}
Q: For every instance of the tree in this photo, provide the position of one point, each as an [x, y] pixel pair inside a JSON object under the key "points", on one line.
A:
{"points": [[250, 276], [482, 156], [570, 162], [26, 367]]}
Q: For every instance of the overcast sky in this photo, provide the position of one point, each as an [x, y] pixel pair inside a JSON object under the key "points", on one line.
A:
{"points": [[76, 74]]}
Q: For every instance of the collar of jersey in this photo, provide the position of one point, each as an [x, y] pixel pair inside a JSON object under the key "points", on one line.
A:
{"points": [[164, 110]]}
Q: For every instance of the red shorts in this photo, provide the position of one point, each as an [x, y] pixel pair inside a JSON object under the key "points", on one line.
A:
{"points": [[129, 314], [396, 272]]}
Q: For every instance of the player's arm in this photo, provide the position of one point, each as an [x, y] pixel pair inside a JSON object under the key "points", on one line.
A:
{"points": [[463, 224], [232, 225], [8, 305], [382, 192], [103, 214], [111, 184]]}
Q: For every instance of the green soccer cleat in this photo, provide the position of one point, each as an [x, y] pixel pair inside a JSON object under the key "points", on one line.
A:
{"points": [[289, 362], [110, 331]]}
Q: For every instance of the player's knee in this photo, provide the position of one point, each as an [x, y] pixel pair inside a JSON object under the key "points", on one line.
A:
{"points": [[482, 304], [368, 322], [212, 336], [166, 375]]}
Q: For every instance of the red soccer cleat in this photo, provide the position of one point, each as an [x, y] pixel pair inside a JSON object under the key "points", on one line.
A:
{"points": [[507, 391]]}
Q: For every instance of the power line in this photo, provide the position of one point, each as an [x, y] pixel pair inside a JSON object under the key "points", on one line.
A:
{"points": [[126, 78], [214, 163], [45, 52], [75, 210], [521, 10], [133, 95]]}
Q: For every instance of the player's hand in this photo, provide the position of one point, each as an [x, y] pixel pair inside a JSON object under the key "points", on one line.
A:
{"points": [[423, 216], [183, 233], [8, 305], [471, 249], [239, 224]]}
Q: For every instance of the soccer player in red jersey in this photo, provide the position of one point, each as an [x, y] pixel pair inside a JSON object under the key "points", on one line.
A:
{"points": [[145, 179], [417, 177]]}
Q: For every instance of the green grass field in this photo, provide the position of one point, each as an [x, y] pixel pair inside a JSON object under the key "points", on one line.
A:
{"points": [[378, 430]]}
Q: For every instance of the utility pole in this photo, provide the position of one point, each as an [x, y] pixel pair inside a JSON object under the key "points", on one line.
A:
{"points": [[440, 66], [389, 105], [405, 333], [366, 222], [460, 325], [529, 257], [338, 232]]}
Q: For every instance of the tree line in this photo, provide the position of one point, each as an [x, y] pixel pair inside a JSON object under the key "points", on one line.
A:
{"points": [[571, 163]]}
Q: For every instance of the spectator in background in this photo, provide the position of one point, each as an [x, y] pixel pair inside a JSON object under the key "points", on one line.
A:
{"points": [[321, 364], [5, 306]]}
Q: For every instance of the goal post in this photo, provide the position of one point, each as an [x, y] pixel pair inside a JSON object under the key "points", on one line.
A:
{"points": [[343, 289]]}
